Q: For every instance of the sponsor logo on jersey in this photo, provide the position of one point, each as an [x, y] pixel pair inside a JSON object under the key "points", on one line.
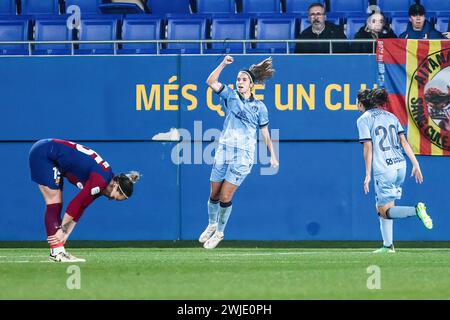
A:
{"points": [[391, 161], [95, 191]]}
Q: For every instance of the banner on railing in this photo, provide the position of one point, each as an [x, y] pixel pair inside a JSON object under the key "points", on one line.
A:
{"points": [[416, 73]]}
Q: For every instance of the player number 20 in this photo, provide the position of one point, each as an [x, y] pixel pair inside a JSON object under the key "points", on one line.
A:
{"points": [[387, 134]]}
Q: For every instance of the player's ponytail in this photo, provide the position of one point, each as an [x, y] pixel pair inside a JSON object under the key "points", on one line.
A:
{"points": [[126, 182], [134, 176], [262, 71]]}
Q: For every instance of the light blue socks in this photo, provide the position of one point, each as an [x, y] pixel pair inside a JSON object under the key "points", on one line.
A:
{"points": [[224, 214], [213, 210], [386, 227]]}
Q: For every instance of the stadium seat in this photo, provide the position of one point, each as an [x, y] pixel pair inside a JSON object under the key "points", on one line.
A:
{"points": [[299, 6], [229, 29], [54, 29], [305, 22], [399, 24], [34, 7], [261, 6], [185, 29], [86, 6], [274, 29], [353, 25], [389, 6], [120, 8], [172, 6], [140, 27], [100, 28], [8, 7], [349, 6], [216, 6], [436, 5], [442, 24], [14, 30]]}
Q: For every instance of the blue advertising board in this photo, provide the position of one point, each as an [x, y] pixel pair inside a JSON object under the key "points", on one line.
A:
{"points": [[117, 105]]}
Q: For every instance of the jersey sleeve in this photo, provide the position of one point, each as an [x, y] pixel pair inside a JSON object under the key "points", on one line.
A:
{"points": [[263, 117], [224, 92], [91, 191], [363, 130], [400, 129]]}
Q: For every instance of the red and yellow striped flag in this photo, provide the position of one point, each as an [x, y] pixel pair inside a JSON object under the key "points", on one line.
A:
{"points": [[416, 73]]}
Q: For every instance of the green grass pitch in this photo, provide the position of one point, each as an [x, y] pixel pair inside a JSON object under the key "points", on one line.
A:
{"points": [[186, 272]]}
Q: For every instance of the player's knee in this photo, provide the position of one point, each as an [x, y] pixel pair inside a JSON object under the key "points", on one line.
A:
{"points": [[214, 196], [382, 214], [226, 197], [53, 196], [214, 200], [383, 211]]}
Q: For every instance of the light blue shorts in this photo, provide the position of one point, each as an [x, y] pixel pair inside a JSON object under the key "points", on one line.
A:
{"points": [[388, 186], [231, 164]]}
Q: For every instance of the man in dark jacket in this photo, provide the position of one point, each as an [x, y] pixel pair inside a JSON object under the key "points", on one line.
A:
{"points": [[418, 27], [320, 30]]}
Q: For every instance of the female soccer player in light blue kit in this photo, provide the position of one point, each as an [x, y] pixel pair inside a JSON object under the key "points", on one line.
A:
{"points": [[235, 154], [383, 138]]}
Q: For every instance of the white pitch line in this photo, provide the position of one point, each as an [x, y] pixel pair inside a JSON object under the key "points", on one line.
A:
{"points": [[321, 252], [288, 253], [28, 256], [25, 261]]}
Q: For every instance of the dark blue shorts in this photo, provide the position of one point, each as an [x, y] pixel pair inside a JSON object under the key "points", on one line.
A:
{"points": [[44, 170]]}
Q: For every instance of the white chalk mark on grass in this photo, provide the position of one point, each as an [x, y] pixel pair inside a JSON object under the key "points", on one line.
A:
{"points": [[25, 261], [287, 253], [22, 256]]}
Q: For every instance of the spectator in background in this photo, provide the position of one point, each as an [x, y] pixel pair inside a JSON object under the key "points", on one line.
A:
{"points": [[418, 26], [375, 28], [320, 29]]}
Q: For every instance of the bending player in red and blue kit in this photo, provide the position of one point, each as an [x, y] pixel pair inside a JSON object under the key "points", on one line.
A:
{"points": [[53, 159]]}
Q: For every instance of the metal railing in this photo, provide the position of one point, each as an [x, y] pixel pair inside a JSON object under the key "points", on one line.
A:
{"points": [[74, 44], [202, 45]]}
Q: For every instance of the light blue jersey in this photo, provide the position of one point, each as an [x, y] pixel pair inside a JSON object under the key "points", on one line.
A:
{"points": [[243, 118], [235, 154], [382, 128]]}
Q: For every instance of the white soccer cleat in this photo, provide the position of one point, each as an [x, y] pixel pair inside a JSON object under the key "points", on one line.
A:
{"points": [[214, 240], [207, 234], [65, 257]]}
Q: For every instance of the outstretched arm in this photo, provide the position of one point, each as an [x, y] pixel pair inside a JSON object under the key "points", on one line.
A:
{"points": [[368, 162], [213, 79], [268, 141], [416, 168], [75, 209]]}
